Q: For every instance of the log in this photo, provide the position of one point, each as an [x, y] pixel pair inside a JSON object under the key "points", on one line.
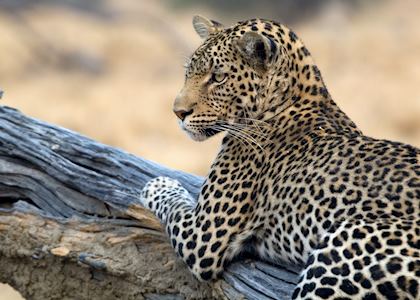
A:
{"points": [[72, 227]]}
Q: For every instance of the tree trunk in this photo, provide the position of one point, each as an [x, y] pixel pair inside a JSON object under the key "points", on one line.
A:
{"points": [[71, 226]]}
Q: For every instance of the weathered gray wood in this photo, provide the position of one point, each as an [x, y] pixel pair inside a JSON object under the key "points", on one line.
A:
{"points": [[58, 174]]}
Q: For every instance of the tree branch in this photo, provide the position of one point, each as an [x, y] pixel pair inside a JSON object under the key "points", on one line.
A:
{"points": [[71, 225]]}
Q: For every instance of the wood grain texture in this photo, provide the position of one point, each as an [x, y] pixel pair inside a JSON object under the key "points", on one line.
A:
{"points": [[70, 220]]}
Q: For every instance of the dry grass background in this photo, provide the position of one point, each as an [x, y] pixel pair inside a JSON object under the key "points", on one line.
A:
{"points": [[113, 76]]}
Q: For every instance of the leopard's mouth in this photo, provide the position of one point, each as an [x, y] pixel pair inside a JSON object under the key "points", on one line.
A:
{"points": [[209, 132], [200, 132]]}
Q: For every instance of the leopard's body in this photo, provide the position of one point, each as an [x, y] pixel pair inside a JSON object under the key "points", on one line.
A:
{"points": [[295, 180]]}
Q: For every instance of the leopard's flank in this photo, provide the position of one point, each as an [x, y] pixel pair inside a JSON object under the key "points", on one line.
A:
{"points": [[295, 179]]}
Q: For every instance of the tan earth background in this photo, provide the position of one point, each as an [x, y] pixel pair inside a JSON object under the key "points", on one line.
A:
{"points": [[111, 69]]}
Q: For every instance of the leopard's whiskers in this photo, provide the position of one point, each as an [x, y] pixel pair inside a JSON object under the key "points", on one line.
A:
{"points": [[240, 133]]}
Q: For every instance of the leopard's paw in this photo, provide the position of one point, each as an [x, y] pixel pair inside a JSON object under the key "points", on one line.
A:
{"points": [[158, 190]]}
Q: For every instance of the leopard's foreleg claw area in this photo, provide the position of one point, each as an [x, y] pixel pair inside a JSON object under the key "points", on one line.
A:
{"points": [[158, 193]]}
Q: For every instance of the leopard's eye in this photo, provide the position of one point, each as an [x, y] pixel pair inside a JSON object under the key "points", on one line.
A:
{"points": [[218, 77]]}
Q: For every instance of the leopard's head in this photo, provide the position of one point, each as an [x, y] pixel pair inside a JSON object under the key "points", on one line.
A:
{"points": [[237, 74]]}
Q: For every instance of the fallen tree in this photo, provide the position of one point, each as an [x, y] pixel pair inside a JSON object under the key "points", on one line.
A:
{"points": [[71, 226]]}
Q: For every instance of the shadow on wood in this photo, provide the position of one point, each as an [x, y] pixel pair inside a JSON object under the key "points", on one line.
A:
{"points": [[71, 226]]}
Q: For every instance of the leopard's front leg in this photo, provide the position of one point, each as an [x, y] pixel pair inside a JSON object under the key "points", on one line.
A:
{"points": [[199, 233]]}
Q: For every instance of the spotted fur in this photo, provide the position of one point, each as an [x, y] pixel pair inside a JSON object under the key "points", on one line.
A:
{"points": [[295, 179]]}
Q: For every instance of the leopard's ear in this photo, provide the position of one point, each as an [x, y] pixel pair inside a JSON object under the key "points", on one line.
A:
{"points": [[204, 27], [260, 51]]}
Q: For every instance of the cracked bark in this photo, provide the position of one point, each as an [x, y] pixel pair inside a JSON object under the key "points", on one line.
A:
{"points": [[71, 226]]}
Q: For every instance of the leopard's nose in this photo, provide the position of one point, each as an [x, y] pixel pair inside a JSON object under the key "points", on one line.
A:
{"points": [[182, 114]]}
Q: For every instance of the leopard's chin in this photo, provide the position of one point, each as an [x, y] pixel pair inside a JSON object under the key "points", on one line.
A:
{"points": [[203, 135], [197, 136]]}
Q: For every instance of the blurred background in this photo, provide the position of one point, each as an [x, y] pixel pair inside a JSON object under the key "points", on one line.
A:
{"points": [[111, 69]]}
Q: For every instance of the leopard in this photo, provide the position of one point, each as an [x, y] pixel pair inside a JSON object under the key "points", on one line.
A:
{"points": [[295, 180]]}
